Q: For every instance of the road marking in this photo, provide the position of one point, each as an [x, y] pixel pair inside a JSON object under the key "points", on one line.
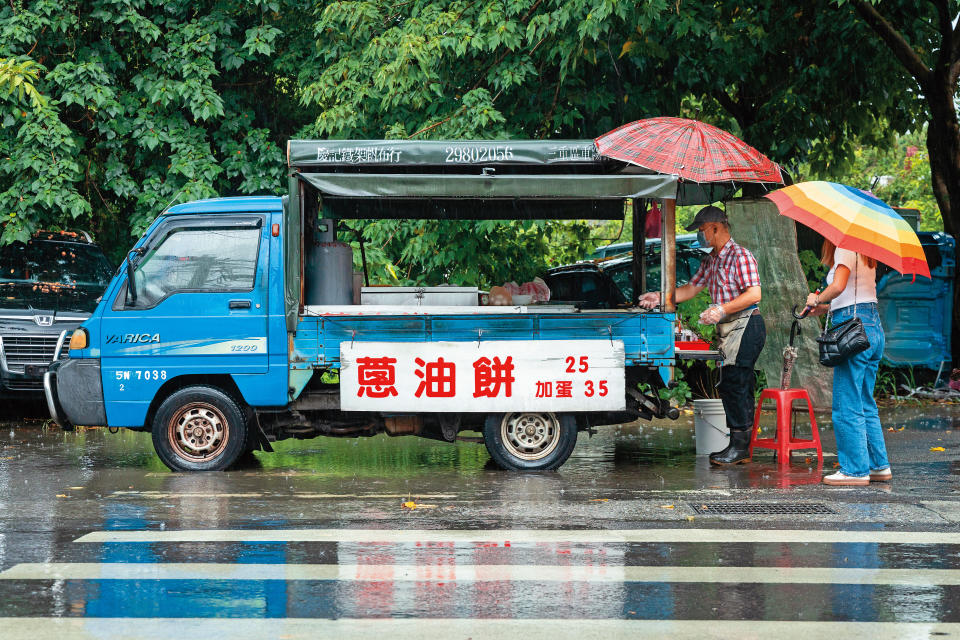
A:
{"points": [[308, 496], [520, 536], [475, 573], [483, 629]]}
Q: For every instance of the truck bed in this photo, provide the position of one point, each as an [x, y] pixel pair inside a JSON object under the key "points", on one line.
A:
{"points": [[647, 336]]}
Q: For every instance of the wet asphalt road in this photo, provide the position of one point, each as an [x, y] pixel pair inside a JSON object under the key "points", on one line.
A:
{"points": [[99, 540]]}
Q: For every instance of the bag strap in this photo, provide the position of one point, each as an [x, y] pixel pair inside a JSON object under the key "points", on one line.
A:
{"points": [[856, 282]]}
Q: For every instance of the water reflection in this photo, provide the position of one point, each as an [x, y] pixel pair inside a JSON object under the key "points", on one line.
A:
{"points": [[426, 580]]}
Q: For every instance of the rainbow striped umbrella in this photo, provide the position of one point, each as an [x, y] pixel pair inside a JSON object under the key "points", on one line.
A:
{"points": [[855, 220]]}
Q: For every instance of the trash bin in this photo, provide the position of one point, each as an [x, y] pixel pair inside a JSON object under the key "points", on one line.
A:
{"points": [[916, 316]]}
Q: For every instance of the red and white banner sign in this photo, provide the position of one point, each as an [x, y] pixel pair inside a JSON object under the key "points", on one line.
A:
{"points": [[483, 377]]}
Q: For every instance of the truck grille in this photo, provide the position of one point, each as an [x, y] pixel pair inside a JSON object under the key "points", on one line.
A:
{"points": [[20, 351]]}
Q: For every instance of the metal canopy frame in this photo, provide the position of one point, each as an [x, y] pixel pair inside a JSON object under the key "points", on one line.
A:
{"points": [[479, 179]]}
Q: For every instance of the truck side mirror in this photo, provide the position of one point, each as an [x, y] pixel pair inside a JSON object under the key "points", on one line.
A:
{"points": [[133, 257]]}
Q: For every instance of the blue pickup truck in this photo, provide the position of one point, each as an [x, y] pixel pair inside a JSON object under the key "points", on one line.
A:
{"points": [[234, 322]]}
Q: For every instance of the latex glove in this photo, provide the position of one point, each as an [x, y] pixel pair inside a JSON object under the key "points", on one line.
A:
{"points": [[649, 300], [712, 315]]}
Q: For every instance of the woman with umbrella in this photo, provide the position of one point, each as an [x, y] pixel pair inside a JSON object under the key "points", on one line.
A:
{"points": [[852, 292], [858, 229]]}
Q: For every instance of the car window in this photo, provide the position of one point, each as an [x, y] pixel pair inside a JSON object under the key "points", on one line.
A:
{"points": [[46, 274], [198, 260], [589, 289], [622, 276]]}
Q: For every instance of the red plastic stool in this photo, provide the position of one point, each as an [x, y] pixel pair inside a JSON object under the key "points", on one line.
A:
{"points": [[785, 442]]}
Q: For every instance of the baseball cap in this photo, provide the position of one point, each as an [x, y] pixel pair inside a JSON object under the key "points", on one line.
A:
{"points": [[705, 215]]}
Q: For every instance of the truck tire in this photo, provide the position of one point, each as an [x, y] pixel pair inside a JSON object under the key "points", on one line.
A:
{"points": [[200, 429], [530, 441]]}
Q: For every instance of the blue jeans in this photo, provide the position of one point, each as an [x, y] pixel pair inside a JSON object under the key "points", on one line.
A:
{"points": [[856, 423]]}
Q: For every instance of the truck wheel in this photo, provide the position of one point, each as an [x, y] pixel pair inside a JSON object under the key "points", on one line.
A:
{"points": [[199, 429], [530, 441]]}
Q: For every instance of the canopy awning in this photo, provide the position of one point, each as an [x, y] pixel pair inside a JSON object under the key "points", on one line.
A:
{"points": [[481, 197], [446, 186], [315, 154]]}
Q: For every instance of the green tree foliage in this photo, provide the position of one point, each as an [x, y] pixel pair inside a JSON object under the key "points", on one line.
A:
{"points": [[770, 72], [899, 175], [115, 109], [800, 81]]}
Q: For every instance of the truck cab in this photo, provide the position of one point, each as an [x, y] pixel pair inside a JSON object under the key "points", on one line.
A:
{"points": [[233, 323]]}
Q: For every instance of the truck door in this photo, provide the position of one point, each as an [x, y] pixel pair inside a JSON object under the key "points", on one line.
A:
{"points": [[200, 307]]}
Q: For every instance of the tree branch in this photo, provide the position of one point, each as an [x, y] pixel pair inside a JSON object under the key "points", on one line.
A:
{"points": [[943, 18], [950, 43], [953, 37], [896, 43], [743, 114], [529, 13]]}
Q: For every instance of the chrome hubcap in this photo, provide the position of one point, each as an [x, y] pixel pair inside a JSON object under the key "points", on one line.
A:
{"points": [[530, 436]]}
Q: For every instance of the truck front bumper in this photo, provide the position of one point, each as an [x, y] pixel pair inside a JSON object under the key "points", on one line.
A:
{"points": [[75, 393]]}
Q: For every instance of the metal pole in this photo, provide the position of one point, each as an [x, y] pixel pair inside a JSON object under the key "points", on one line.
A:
{"points": [[363, 258], [639, 273], [668, 256]]}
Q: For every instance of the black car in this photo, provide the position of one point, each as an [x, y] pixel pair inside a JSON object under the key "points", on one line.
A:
{"points": [[607, 284], [48, 286]]}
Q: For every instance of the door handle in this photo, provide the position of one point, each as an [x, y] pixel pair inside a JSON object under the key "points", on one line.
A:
{"points": [[239, 304]]}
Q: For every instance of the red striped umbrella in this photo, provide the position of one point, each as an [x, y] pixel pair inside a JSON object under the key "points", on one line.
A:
{"points": [[693, 150]]}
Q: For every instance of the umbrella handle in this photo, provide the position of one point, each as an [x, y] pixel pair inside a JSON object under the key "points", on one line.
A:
{"points": [[794, 331], [803, 314]]}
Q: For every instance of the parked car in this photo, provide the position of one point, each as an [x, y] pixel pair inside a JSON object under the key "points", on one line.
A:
{"points": [[608, 251], [607, 284], [48, 286]]}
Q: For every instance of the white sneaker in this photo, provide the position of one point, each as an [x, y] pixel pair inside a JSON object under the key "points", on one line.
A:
{"points": [[840, 479], [883, 475]]}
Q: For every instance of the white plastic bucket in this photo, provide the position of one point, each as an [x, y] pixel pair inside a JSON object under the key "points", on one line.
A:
{"points": [[710, 426]]}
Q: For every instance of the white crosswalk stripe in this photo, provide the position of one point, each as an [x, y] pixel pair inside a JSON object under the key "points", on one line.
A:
{"points": [[474, 573], [483, 629], [526, 536]]}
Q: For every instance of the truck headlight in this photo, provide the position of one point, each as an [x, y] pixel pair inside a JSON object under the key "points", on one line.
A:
{"points": [[80, 339]]}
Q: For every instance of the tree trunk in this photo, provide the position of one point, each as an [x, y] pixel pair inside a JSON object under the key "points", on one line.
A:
{"points": [[943, 146]]}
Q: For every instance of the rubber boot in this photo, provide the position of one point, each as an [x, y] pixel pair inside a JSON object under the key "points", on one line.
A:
{"points": [[737, 453], [723, 451]]}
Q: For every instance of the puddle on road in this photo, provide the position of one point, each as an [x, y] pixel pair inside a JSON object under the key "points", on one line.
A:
{"points": [[639, 455]]}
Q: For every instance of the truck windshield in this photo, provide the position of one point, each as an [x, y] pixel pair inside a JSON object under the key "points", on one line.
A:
{"points": [[50, 275]]}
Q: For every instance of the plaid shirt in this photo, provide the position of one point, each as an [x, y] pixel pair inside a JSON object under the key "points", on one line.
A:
{"points": [[727, 274]]}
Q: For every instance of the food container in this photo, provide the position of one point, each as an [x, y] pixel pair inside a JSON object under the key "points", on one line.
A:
{"points": [[420, 296]]}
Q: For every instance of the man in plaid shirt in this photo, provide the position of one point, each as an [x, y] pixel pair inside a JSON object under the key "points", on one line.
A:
{"points": [[730, 274]]}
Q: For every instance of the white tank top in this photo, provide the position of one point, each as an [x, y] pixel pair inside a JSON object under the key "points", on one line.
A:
{"points": [[861, 285]]}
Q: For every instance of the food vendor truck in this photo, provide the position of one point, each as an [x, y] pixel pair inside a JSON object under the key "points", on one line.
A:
{"points": [[235, 322]]}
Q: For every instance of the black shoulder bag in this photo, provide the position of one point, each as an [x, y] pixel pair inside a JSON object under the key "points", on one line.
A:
{"points": [[841, 341]]}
